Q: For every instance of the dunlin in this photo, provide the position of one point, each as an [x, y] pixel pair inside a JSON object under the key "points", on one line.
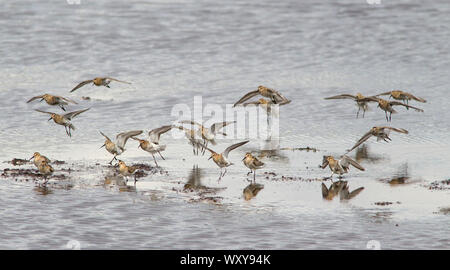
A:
{"points": [[382, 133], [387, 106], [53, 100], [267, 105], [194, 137], [209, 134], [152, 145], [126, 171], [45, 169], [99, 81], [251, 191], [358, 98], [403, 96], [340, 166], [274, 95], [221, 160], [64, 119], [118, 147], [38, 159], [253, 164]]}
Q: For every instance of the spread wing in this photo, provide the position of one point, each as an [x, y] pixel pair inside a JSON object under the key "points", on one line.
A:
{"points": [[364, 138], [33, 98], [400, 130], [343, 96], [278, 97], [190, 122], [232, 147], [370, 99], [122, 138], [393, 103], [67, 99], [73, 114], [257, 162], [346, 161], [355, 192], [112, 79], [414, 97], [156, 133], [217, 126], [81, 85], [43, 111], [384, 94], [247, 97], [105, 136]]}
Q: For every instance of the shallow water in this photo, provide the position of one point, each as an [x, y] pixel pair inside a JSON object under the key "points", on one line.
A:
{"points": [[174, 50]]}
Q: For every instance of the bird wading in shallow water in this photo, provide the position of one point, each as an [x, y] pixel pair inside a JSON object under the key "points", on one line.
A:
{"points": [[152, 145], [118, 147], [340, 166], [126, 171], [387, 106], [274, 95], [221, 160], [358, 98], [99, 81], [382, 133], [53, 100], [64, 119], [194, 137], [253, 164], [38, 159], [45, 169]]}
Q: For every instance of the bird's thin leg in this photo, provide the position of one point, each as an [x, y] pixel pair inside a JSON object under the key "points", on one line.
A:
{"points": [[62, 107], [224, 172], [155, 160], [205, 144], [161, 155], [220, 175], [390, 116], [357, 113], [254, 176], [249, 172], [110, 163], [364, 112], [387, 119], [135, 180]]}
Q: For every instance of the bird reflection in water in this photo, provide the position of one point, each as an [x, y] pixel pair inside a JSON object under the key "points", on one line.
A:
{"points": [[252, 190], [340, 188]]}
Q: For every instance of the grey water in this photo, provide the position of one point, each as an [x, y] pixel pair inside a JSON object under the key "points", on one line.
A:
{"points": [[174, 50]]}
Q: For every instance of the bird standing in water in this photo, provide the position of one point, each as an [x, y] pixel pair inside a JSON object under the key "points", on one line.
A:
{"points": [[53, 100], [118, 147], [99, 81], [45, 169], [64, 119], [126, 171], [253, 164]]}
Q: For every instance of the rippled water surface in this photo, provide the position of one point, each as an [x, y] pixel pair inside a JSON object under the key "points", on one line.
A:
{"points": [[174, 50]]}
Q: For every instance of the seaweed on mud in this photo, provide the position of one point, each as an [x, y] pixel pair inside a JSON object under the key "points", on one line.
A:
{"points": [[385, 203], [273, 177], [18, 161], [440, 185]]}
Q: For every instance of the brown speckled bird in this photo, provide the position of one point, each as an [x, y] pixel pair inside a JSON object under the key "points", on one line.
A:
{"points": [[53, 100], [118, 147], [340, 166], [38, 159], [382, 133], [221, 160], [358, 98], [152, 145], [45, 169], [274, 95], [126, 171], [253, 164], [387, 106], [64, 119], [99, 81], [404, 96]]}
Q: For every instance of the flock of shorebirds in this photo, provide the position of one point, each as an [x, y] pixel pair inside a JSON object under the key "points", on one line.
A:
{"points": [[200, 137]]}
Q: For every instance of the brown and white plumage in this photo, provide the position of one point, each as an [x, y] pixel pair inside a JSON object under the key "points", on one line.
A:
{"points": [[53, 100], [341, 165], [253, 163], [387, 106], [99, 81], [358, 98], [209, 134], [126, 171], [38, 159], [64, 119], [275, 96], [221, 160], [404, 96], [382, 133], [118, 147], [152, 145]]}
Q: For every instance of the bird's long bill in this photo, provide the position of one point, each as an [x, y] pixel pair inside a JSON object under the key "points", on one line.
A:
{"points": [[49, 119], [31, 158], [243, 159], [102, 146], [210, 158]]}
